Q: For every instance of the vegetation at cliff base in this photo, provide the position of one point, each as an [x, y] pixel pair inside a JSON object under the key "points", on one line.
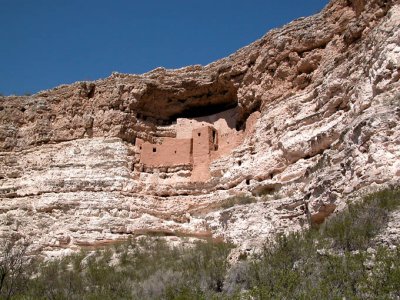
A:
{"points": [[338, 260]]}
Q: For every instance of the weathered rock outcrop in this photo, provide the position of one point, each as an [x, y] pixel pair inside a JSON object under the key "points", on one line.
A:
{"points": [[328, 94]]}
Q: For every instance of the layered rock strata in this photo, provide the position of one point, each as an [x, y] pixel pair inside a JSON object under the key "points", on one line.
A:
{"points": [[322, 95]]}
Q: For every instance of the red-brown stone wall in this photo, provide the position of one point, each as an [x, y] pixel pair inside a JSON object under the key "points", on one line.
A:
{"points": [[226, 143], [172, 152], [202, 146]]}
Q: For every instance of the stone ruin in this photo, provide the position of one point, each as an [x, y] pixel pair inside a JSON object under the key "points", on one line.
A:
{"points": [[197, 143]]}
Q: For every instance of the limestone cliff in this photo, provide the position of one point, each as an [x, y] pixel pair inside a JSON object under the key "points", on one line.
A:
{"points": [[316, 121]]}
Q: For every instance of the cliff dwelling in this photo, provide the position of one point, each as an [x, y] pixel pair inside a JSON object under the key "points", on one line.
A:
{"points": [[197, 142]]}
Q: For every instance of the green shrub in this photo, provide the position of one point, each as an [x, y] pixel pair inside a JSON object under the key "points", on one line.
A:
{"points": [[330, 262], [237, 200], [355, 227], [322, 263], [14, 267], [145, 269]]}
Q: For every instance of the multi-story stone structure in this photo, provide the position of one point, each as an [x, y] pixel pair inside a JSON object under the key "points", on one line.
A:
{"points": [[198, 142]]}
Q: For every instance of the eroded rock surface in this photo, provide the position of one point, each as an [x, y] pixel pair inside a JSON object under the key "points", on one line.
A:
{"points": [[324, 95]]}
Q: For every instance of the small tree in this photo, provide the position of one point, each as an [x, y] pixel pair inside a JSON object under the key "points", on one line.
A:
{"points": [[13, 267]]}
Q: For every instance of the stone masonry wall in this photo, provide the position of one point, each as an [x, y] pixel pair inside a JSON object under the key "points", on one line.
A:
{"points": [[172, 152], [203, 145], [224, 122]]}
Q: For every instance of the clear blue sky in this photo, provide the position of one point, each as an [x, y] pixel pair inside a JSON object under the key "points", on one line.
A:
{"points": [[45, 43]]}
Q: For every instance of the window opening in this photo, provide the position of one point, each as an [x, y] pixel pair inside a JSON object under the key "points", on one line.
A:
{"points": [[214, 136]]}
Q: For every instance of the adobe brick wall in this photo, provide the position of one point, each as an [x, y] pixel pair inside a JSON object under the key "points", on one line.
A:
{"points": [[226, 143], [203, 145], [172, 152], [184, 127], [223, 122]]}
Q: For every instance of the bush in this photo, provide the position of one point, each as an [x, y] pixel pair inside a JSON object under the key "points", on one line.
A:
{"points": [[237, 200], [143, 269], [354, 228], [14, 267], [330, 262]]}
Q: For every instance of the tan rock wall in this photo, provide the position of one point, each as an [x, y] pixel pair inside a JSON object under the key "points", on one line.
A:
{"points": [[251, 123], [327, 88]]}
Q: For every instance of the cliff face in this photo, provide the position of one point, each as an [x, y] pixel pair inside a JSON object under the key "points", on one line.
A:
{"points": [[323, 98]]}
